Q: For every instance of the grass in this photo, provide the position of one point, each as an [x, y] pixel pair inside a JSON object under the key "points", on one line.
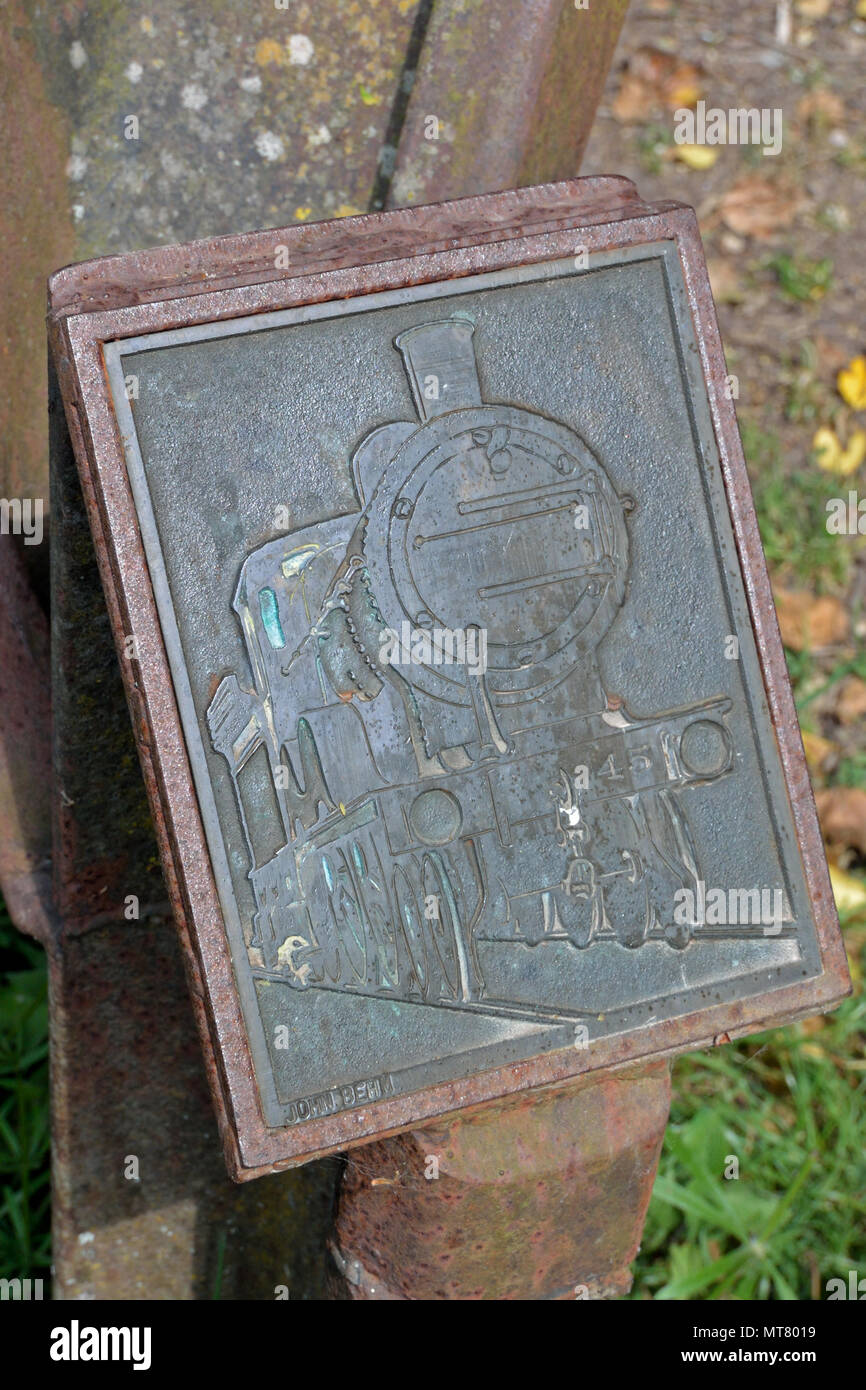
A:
{"points": [[799, 279], [788, 1106], [652, 144], [792, 513], [24, 1120], [809, 400], [851, 772], [810, 685], [852, 157]]}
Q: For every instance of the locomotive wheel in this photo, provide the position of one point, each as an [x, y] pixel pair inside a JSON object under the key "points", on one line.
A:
{"points": [[578, 908], [412, 929], [628, 911], [443, 928]]}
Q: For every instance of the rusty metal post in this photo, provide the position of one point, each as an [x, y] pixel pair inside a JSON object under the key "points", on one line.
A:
{"points": [[505, 96], [25, 751], [543, 1197]]}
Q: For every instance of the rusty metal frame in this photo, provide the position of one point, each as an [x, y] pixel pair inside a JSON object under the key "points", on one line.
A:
{"points": [[225, 278]]}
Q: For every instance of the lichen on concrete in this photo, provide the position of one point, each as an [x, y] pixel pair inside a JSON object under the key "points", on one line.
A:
{"points": [[210, 118]]}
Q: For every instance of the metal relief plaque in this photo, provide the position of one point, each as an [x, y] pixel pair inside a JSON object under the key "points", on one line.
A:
{"points": [[458, 632]]}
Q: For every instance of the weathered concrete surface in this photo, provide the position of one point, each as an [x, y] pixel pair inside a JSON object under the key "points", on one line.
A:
{"points": [[247, 116]]}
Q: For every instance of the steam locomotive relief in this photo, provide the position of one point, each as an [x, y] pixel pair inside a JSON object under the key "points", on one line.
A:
{"points": [[407, 821]]}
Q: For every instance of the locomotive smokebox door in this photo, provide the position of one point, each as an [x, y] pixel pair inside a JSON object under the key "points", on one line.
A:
{"points": [[434, 573]]}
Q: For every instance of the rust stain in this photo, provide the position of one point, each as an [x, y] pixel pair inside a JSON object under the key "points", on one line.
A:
{"points": [[37, 235], [25, 751]]}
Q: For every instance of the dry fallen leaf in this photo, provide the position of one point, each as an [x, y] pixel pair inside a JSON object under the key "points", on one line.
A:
{"points": [[730, 243], [724, 281], [810, 1026], [630, 102], [814, 9], [828, 354], [842, 813], [823, 105], [851, 700], [757, 206], [833, 456], [851, 383], [654, 81], [807, 622]]}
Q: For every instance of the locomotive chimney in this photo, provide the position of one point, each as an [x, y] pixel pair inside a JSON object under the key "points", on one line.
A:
{"points": [[440, 363]]}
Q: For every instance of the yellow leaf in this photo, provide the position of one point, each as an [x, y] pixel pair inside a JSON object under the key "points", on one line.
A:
{"points": [[685, 93], [849, 892], [851, 383], [302, 213], [855, 452], [826, 445], [833, 457], [697, 156], [861, 9], [816, 748]]}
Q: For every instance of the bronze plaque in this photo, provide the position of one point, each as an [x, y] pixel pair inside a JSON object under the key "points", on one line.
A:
{"points": [[453, 657]]}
